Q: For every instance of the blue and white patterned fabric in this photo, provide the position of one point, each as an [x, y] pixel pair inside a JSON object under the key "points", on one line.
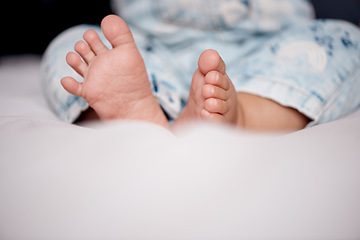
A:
{"points": [[313, 67], [272, 48], [54, 67]]}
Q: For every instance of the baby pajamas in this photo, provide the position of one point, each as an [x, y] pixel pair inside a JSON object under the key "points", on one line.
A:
{"points": [[272, 48]]}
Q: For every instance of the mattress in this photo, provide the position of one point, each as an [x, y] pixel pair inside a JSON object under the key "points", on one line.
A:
{"points": [[135, 180]]}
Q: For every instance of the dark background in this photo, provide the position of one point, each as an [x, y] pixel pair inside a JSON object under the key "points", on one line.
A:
{"points": [[338, 9], [28, 26]]}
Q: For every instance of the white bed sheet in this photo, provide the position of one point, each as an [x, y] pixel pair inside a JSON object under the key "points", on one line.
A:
{"points": [[133, 180]]}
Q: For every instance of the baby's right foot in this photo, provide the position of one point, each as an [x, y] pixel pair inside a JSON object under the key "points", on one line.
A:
{"points": [[212, 95], [115, 83]]}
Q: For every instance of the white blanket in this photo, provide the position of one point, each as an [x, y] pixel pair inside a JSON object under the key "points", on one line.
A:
{"points": [[134, 180]]}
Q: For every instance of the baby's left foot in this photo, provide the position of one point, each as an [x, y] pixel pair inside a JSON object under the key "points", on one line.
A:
{"points": [[212, 95]]}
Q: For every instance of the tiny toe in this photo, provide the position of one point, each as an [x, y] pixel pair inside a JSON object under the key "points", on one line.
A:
{"points": [[217, 79], [76, 63], [214, 105], [210, 60], [94, 41], [84, 51], [212, 117], [211, 91], [116, 31], [72, 86]]}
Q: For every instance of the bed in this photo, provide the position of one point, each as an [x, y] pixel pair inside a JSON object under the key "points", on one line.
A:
{"points": [[135, 180]]}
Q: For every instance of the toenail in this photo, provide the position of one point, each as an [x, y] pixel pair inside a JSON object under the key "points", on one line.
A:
{"points": [[205, 113], [217, 77], [214, 77]]}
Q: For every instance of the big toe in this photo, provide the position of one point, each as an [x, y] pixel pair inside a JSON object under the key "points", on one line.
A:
{"points": [[210, 60], [116, 30]]}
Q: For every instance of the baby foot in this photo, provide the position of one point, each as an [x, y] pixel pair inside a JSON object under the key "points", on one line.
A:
{"points": [[212, 95], [115, 82]]}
